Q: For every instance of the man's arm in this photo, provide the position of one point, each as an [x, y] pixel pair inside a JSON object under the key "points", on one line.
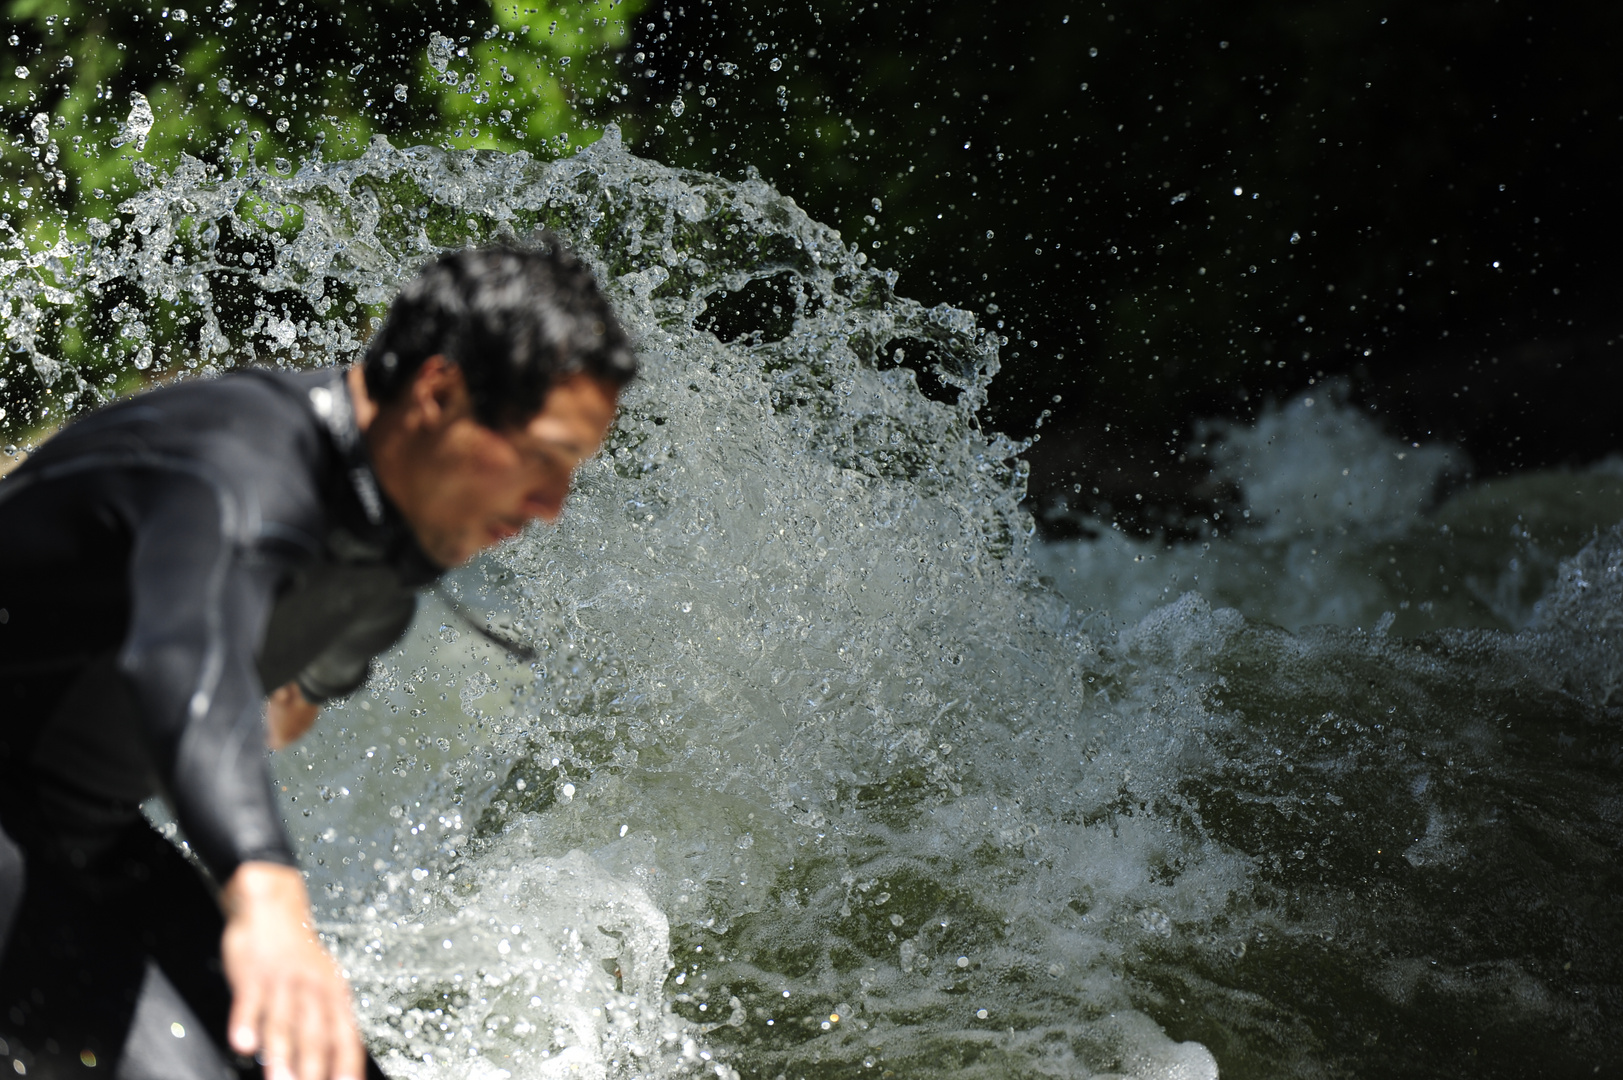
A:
{"points": [[200, 598]]}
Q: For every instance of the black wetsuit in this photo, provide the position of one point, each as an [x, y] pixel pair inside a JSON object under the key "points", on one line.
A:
{"points": [[163, 563]]}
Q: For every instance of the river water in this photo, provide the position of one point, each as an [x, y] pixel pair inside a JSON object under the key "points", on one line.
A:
{"points": [[827, 768]]}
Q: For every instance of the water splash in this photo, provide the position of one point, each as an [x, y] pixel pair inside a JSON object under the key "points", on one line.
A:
{"points": [[812, 776], [136, 126]]}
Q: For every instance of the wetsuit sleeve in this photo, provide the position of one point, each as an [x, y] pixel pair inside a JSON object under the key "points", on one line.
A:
{"points": [[343, 666], [200, 600]]}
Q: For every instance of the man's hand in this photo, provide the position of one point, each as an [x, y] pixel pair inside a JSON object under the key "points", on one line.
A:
{"points": [[287, 716], [290, 1004]]}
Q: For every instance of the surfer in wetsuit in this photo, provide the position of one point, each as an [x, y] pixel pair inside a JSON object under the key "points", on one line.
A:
{"points": [[166, 561]]}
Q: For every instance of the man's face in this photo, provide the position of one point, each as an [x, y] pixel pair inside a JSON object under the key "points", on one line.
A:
{"points": [[465, 487]]}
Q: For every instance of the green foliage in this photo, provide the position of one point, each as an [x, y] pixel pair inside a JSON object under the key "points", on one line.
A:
{"points": [[264, 80], [100, 99]]}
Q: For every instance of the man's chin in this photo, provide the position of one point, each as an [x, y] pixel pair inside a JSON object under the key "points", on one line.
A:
{"points": [[448, 555], [451, 552], [475, 547]]}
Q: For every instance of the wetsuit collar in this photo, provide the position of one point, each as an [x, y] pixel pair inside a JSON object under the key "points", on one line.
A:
{"points": [[331, 403]]}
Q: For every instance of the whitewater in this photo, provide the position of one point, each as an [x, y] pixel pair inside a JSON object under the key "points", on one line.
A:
{"points": [[826, 766]]}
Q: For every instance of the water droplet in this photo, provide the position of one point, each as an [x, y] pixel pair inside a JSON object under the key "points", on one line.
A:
{"points": [[678, 107], [21, 72], [1093, 51], [569, 791], [776, 64], [400, 91], [178, 1030], [282, 124], [439, 51], [980, 1014], [1296, 238], [1239, 191]]}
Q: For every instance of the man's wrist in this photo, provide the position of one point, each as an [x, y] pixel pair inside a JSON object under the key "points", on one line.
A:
{"points": [[255, 884]]}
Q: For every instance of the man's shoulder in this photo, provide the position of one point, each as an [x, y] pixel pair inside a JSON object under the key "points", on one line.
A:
{"points": [[255, 432], [255, 400], [266, 412]]}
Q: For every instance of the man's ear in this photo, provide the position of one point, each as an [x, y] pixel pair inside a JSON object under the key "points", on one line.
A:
{"points": [[439, 391]]}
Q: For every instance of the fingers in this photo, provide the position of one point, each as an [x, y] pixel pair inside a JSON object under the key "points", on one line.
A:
{"points": [[308, 1033], [243, 1026], [349, 1056], [314, 1038], [278, 1034]]}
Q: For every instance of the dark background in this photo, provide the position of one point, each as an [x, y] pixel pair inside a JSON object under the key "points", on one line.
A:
{"points": [[1429, 206]]}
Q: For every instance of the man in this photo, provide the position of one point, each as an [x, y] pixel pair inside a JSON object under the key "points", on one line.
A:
{"points": [[162, 563]]}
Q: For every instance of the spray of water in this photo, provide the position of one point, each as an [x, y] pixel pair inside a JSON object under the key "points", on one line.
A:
{"points": [[811, 775]]}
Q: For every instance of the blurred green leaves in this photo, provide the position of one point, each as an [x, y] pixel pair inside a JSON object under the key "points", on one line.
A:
{"points": [[99, 98], [227, 81]]}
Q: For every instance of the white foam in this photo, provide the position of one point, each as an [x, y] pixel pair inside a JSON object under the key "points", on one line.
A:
{"points": [[811, 757], [1340, 523]]}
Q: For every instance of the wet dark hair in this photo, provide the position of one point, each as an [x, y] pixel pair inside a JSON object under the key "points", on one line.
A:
{"points": [[515, 319]]}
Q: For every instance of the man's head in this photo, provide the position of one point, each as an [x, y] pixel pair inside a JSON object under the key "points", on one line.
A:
{"points": [[515, 320], [495, 375]]}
